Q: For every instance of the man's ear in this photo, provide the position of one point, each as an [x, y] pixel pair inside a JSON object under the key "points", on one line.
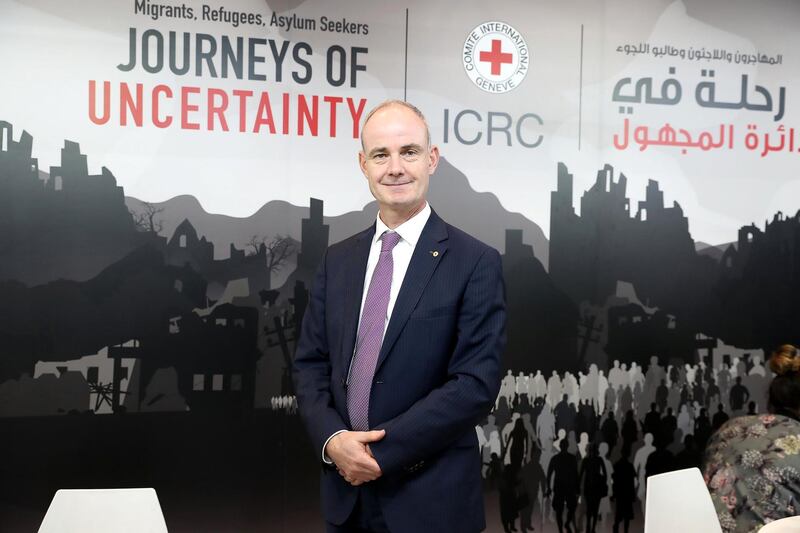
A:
{"points": [[362, 162], [433, 161]]}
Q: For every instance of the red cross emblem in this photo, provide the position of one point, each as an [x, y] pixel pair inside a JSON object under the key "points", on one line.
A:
{"points": [[496, 57]]}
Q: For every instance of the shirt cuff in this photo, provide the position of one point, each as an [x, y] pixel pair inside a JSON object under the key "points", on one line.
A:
{"points": [[325, 458]]}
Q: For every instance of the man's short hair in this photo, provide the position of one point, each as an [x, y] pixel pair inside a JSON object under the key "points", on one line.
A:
{"points": [[401, 103]]}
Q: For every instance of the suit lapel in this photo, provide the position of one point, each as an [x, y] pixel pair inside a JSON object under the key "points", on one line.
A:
{"points": [[356, 270], [423, 263]]}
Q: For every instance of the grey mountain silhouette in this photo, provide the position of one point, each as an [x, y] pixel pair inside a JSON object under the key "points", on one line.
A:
{"points": [[714, 251], [478, 213]]}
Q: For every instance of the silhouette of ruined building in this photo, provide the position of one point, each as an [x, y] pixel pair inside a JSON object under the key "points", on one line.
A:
{"points": [[314, 238], [66, 225], [778, 244], [185, 248], [590, 252], [759, 279], [634, 335], [137, 309], [542, 321], [314, 235], [651, 249], [744, 299], [214, 357], [108, 379], [18, 170], [64, 320]]}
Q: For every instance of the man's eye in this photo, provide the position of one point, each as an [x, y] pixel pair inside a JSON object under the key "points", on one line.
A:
{"points": [[410, 153], [379, 156]]}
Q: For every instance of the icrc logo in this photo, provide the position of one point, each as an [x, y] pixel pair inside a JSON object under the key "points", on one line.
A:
{"points": [[495, 57]]}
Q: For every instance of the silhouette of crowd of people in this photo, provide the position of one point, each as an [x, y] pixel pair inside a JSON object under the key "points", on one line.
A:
{"points": [[576, 449], [286, 403]]}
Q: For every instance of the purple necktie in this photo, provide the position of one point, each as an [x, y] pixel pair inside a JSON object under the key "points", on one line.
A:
{"points": [[370, 335]]}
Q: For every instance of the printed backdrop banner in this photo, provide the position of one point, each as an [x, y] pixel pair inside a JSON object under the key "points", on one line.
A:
{"points": [[171, 174]]}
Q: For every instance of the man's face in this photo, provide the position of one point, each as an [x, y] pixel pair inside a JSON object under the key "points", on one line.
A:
{"points": [[396, 159]]}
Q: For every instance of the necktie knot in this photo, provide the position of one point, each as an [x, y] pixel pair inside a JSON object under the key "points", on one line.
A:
{"points": [[389, 240]]}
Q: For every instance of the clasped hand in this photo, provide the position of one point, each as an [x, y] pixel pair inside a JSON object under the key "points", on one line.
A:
{"points": [[354, 461]]}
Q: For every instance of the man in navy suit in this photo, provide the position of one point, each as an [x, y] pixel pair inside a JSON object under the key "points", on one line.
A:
{"points": [[399, 355]]}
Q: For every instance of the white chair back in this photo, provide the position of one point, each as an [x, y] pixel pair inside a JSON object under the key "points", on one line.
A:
{"points": [[104, 511], [679, 501], [784, 525]]}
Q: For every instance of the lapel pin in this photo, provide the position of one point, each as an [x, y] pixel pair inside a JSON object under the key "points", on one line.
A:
{"points": [[435, 253]]}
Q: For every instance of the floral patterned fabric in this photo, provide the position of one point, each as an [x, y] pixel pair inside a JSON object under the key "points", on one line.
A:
{"points": [[752, 470]]}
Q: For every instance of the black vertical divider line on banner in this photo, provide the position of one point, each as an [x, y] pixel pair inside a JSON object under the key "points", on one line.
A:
{"points": [[405, 62], [580, 93]]}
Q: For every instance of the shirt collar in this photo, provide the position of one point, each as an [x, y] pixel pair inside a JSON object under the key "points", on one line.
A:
{"points": [[409, 231]]}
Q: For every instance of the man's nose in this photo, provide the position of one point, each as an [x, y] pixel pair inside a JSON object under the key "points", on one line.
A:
{"points": [[396, 165]]}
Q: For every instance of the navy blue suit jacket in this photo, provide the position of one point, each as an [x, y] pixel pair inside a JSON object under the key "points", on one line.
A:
{"points": [[437, 376]]}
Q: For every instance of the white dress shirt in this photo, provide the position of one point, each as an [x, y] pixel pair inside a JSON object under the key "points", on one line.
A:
{"points": [[409, 232]]}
